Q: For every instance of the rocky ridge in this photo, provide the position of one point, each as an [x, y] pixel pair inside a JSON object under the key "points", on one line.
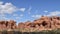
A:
{"points": [[43, 23]]}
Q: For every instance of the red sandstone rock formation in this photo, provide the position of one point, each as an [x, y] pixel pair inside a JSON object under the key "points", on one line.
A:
{"points": [[43, 23], [7, 25], [21, 25], [11, 24]]}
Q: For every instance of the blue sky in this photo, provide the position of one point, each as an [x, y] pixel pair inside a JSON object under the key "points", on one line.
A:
{"points": [[28, 10]]}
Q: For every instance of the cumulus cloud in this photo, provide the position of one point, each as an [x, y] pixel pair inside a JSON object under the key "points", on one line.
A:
{"points": [[1, 3], [9, 8], [54, 13]]}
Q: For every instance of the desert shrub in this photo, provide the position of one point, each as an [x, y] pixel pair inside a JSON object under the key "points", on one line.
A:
{"points": [[4, 32], [25, 33], [17, 32], [33, 31], [10, 32]]}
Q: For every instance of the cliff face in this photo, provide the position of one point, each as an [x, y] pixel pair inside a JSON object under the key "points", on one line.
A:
{"points": [[44, 23], [7, 24]]}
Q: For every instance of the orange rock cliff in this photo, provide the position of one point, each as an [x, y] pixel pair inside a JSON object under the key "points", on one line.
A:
{"points": [[43, 23]]}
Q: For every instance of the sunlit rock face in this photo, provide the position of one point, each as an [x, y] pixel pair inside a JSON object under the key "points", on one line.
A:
{"points": [[2, 24], [21, 25], [11, 24], [43, 23]]}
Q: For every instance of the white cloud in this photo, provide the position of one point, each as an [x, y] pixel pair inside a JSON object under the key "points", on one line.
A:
{"points": [[15, 14], [1, 3], [21, 15], [3, 18], [22, 9], [29, 9], [54, 13], [36, 16], [17, 18], [45, 11], [9, 8]]}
